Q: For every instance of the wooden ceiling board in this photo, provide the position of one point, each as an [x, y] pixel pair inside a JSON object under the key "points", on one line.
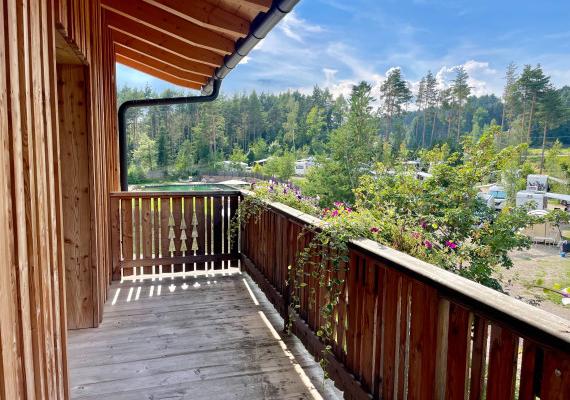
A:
{"points": [[179, 41], [156, 73], [133, 43]]}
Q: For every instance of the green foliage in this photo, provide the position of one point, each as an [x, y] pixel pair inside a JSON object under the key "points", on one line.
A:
{"points": [[282, 167], [185, 160], [259, 149], [351, 151], [438, 219], [237, 158]]}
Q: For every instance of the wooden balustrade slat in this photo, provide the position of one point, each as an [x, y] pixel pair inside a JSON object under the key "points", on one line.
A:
{"points": [[423, 341], [233, 240], [188, 212], [555, 382], [208, 227], [390, 318], [164, 228], [217, 228], [280, 245], [177, 215], [156, 227], [379, 376], [527, 390], [146, 228], [478, 357], [137, 244], [115, 237], [357, 300], [502, 363], [402, 346], [127, 229], [200, 217], [369, 289], [339, 312], [458, 348]]}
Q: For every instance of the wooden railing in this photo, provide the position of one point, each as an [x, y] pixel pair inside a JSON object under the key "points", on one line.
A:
{"points": [[407, 329], [172, 232]]}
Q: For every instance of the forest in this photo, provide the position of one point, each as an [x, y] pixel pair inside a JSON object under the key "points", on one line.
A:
{"points": [[172, 142]]}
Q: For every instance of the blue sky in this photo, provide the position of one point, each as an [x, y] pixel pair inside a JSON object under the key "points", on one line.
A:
{"points": [[336, 43]]}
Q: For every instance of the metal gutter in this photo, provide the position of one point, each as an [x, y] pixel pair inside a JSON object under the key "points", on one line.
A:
{"points": [[260, 27]]}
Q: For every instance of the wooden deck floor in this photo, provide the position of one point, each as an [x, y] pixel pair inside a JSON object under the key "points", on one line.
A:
{"points": [[206, 339]]}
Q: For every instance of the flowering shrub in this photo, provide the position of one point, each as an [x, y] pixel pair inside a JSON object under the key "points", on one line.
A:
{"points": [[287, 194], [438, 219]]}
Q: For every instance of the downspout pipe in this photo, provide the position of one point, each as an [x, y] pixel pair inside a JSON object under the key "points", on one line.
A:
{"points": [[146, 103], [260, 27]]}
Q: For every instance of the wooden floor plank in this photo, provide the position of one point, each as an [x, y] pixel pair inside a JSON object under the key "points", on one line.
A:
{"points": [[206, 339]]}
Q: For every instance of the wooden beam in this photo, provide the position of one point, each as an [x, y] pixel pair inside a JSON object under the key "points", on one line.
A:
{"points": [[158, 39], [156, 73], [120, 38], [258, 5], [205, 14], [160, 65], [170, 24]]}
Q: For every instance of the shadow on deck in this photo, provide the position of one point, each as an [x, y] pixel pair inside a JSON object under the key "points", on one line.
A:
{"points": [[200, 337]]}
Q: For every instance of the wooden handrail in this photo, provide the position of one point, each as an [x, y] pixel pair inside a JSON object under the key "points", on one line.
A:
{"points": [[405, 325], [172, 232], [194, 193]]}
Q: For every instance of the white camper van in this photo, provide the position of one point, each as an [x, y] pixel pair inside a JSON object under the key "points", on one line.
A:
{"points": [[525, 197]]}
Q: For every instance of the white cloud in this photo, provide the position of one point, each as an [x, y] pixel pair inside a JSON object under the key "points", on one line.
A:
{"points": [[298, 28], [482, 78]]}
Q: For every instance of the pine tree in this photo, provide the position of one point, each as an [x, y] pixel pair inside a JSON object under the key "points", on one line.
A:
{"points": [[420, 103], [510, 95], [551, 113], [395, 94], [431, 100], [291, 125], [532, 85], [461, 91]]}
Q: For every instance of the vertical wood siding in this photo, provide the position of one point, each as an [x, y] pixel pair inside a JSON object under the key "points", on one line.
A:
{"points": [[32, 285]]}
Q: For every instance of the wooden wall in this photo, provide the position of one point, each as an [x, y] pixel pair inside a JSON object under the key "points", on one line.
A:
{"points": [[77, 200], [32, 284], [79, 22]]}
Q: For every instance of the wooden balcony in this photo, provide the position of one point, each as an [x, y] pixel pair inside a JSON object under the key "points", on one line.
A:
{"points": [[402, 329], [197, 337]]}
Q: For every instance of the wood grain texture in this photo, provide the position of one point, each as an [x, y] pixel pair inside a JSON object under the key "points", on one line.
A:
{"points": [[202, 342], [77, 196], [41, 188], [502, 363]]}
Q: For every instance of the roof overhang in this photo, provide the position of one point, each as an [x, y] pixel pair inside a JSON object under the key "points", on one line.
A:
{"points": [[189, 43]]}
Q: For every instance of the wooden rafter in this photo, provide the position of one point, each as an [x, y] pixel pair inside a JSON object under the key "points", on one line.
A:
{"points": [[133, 43], [205, 14], [257, 5], [156, 38], [156, 73], [159, 65], [170, 24]]}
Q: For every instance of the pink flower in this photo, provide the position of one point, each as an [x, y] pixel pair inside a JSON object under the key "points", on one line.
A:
{"points": [[335, 213], [450, 244], [415, 235], [428, 244], [374, 230], [348, 209]]}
